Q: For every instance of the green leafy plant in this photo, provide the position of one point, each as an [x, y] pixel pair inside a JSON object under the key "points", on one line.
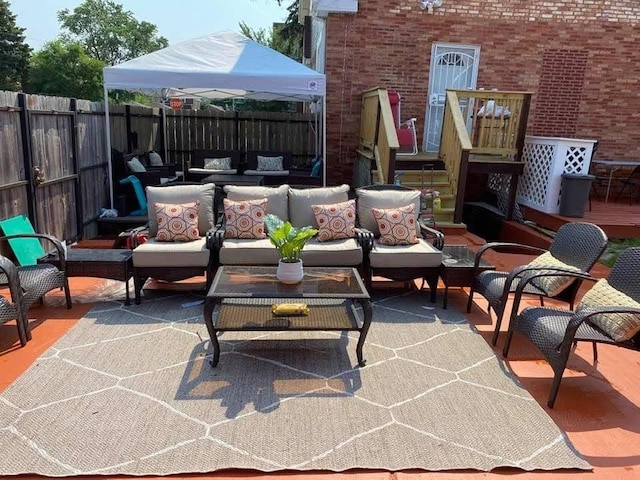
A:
{"points": [[288, 239]]}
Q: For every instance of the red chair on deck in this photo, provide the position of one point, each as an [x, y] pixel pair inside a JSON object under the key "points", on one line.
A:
{"points": [[406, 130]]}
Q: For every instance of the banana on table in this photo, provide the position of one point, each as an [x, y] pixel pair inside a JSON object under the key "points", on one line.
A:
{"points": [[289, 309]]}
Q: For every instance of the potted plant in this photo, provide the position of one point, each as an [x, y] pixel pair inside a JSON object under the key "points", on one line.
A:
{"points": [[289, 241]]}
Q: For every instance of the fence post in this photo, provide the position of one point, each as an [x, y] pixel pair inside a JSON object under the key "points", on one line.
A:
{"points": [[25, 133], [73, 105], [127, 113], [236, 130]]}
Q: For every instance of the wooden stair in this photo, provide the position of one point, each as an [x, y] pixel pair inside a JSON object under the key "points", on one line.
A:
{"points": [[409, 170]]}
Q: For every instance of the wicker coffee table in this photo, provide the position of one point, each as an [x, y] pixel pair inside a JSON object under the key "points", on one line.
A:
{"points": [[243, 297], [115, 264]]}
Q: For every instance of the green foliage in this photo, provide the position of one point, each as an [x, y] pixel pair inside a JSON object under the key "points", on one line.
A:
{"points": [[615, 247], [286, 238], [108, 32], [65, 70], [14, 53]]}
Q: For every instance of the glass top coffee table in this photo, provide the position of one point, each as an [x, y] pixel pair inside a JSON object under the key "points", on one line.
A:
{"points": [[457, 268], [244, 295]]}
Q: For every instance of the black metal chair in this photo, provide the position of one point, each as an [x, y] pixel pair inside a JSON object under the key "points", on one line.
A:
{"points": [[633, 183], [577, 244], [399, 262], [12, 308], [555, 331]]}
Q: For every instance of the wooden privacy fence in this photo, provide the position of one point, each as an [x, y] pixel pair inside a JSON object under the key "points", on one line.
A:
{"points": [[53, 162]]}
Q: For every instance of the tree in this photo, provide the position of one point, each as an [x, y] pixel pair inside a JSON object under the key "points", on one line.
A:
{"points": [[108, 32], [65, 70], [14, 53]]}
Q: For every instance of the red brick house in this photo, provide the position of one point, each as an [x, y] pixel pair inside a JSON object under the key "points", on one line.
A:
{"points": [[580, 59]]}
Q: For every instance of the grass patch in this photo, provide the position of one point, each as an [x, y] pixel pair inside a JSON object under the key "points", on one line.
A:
{"points": [[615, 247]]}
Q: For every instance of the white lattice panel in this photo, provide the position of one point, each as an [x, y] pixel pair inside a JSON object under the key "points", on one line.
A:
{"points": [[546, 159]]}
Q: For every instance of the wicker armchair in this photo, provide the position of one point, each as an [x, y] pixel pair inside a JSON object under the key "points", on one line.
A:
{"points": [[555, 331], [12, 309], [36, 280], [577, 244]]}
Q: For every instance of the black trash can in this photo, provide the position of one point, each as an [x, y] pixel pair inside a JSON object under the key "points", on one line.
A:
{"points": [[575, 194]]}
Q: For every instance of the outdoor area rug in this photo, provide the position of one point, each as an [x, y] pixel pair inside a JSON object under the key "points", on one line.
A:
{"points": [[129, 390]]}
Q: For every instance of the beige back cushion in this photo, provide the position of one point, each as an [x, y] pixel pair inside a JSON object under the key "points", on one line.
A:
{"points": [[553, 285], [177, 194], [620, 326], [368, 199], [301, 199], [276, 197]]}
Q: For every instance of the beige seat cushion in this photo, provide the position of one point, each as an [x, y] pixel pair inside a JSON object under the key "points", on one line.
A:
{"points": [[171, 254], [209, 171], [177, 194], [553, 285], [383, 199], [418, 255], [334, 253], [268, 173], [277, 202], [301, 199], [619, 326], [236, 251]]}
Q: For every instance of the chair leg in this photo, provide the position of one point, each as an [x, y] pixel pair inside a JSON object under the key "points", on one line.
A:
{"points": [[470, 301], [595, 353], [507, 343], [67, 293], [22, 329], [499, 312], [555, 386]]}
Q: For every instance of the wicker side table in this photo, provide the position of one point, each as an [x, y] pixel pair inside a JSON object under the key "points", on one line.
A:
{"points": [[114, 264], [456, 269]]}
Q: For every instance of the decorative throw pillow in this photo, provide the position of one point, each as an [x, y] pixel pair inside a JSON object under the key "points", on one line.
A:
{"points": [[217, 163], [397, 225], [336, 221], [136, 165], [270, 163], [553, 285], [244, 219], [177, 223], [620, 326], [155, 160]]}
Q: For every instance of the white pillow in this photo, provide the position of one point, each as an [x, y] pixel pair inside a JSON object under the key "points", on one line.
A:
{"points": [[270, 163], [155, 160], [217, 163], [136, 166]]}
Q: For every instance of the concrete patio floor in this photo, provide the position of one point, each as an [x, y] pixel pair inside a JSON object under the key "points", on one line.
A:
{"points": [[597, 408]]}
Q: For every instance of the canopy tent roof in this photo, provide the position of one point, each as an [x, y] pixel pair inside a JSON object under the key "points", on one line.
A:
{"points": [[219, 65]]}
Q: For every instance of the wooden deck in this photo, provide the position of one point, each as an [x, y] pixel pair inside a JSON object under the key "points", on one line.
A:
{"points": [[618, 220]]}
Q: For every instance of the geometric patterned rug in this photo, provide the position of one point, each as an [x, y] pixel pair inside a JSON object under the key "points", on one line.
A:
{"points": [[129, 390]]}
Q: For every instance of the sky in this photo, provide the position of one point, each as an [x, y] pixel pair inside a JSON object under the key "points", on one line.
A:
{"points": [[177, 20]]}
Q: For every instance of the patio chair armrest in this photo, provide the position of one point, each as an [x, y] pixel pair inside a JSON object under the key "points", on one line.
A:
{"points": [[512, 247], [215, 236], [532, 275], [57, 244], [429, 232], [364, 238], [11, 271]]}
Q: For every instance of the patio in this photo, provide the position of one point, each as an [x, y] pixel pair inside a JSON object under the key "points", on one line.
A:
{"points": [[598, 413]]}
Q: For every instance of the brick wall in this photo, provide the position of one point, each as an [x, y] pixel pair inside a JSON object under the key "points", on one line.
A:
{"points": [[580, 60]]}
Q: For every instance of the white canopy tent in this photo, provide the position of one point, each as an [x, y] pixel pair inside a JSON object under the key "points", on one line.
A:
{"points": [[220, 65]]}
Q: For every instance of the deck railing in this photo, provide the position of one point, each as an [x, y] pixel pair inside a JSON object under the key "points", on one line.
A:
{"points": [[378, 138], [486, 126]]}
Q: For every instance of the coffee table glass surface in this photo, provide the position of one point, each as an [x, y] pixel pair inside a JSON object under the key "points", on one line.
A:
{"points": [[243, 297], [457, 268]]}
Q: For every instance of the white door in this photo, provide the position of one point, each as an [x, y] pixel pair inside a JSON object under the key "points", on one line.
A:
{"points": [[452, 66]]}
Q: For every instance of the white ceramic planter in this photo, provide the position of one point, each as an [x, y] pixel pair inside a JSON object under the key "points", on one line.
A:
{"points": [[289, 272]]}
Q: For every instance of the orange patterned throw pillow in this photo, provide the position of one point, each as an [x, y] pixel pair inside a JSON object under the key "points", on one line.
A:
{"points": [[397, 225], [177, 223], [335, 222], [244, 219]]}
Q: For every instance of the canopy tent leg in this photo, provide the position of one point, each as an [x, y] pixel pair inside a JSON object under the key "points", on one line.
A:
{"points": [[324, 140]]}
